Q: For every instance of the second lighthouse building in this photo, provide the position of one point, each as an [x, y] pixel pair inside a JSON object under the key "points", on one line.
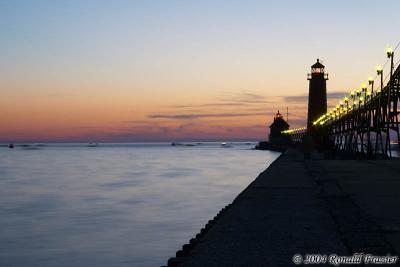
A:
{"points": [[317, 104]]}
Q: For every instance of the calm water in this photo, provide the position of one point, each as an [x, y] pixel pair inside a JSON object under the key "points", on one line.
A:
{"points": [[115, 204]]}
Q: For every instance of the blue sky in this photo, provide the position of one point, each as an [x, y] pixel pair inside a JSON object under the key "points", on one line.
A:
{"points": [[148, 55]]}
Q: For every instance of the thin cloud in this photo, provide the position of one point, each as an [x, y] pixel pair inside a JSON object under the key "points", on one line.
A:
{"points": [[228, 104], [243, 99], [203, 115], [246, 97], [304, 98], [295, 98]]}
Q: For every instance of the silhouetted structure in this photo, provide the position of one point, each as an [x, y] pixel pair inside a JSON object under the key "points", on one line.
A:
{"points": [[276, 128], [317, 104], [277, 139], [365, 123]]}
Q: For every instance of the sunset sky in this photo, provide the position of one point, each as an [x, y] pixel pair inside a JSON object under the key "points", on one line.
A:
{"points": [[96, 71]]}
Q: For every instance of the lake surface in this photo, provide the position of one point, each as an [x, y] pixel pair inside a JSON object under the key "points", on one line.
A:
{"points": [[115, 204]]}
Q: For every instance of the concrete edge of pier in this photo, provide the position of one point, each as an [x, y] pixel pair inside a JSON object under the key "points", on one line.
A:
{"points": [[303, 206], [182, 254]]}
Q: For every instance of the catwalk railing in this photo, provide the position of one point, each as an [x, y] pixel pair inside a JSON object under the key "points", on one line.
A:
{"points": [[296, 135]]}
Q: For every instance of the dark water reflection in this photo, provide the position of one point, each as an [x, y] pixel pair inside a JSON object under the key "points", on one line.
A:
{"points": [[114, 205]]}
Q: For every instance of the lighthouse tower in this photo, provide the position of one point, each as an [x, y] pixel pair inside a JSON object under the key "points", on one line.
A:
{"points": [[317, 105]]}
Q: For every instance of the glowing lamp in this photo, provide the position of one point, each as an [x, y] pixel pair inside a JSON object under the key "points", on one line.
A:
{"points": [[389, 52], [363, 87], [379, 69], [370, 80]]}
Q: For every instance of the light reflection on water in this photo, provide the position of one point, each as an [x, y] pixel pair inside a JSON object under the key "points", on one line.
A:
{"points": [[116, 204]]}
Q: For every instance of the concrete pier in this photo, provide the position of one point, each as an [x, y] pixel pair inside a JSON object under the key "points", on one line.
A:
{"points": [[300, 206]]}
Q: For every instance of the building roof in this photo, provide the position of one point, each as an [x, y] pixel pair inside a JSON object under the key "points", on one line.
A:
{"points": [[279, 122], [317, 65]]}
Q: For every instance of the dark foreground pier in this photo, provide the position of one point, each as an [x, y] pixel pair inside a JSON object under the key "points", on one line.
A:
{"points": [[300, 206]]}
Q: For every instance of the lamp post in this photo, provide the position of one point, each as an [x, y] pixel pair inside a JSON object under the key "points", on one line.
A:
{"points": [[389, 53], [369, 95], [358, 95], [379, 72], [353, 95], [371, 82], [370, 111], [364, 90]]}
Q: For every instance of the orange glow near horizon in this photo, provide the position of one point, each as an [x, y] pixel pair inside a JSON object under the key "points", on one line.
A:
{"points": [[130, 71], [240, 116], [109, 114]]}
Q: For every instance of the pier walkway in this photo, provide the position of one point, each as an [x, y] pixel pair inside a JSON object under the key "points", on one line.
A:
{"points": [[306, 207]]}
